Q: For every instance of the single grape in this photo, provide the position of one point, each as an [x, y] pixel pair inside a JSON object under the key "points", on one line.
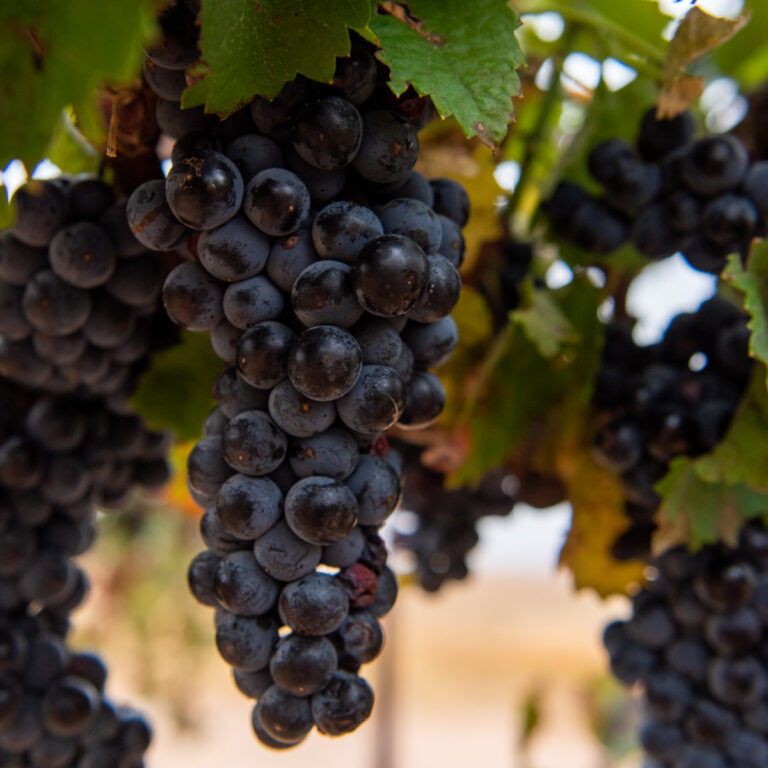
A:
{"points": [[252, 153], [247, 507], [332, 453], [431, 343], [345, 703], [303, 665], [375, 402], [53, 306], [242, 586], [234, 251], [323, 295], [262, 354], [41, 208], [389, 148], [193, 298], [451, 200], [390, 275], [252, 301], [324, 363], [320, 510], [327, 133], [313, 605], [285, 717], [253, 444], [150, 218], [283, 555], [415, 220], [289, 257], [245, 642], [342, 228], [276, 201]]}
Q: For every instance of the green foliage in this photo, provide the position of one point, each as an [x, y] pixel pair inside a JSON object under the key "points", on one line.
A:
{"points": [[464, 55], [175, 393], [255, 47], [69, 149], [55, 53], [742, 455], [545, 357], [697, 512], [753, 283]]}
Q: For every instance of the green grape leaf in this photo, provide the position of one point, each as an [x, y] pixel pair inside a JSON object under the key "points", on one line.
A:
{"points": [[69, 149], [54, 53], [742, 455], [698, 34], [544, 324], [256, 47], [696, 512], [516, 387], [175, 392], [465, 56], [753, 282]]}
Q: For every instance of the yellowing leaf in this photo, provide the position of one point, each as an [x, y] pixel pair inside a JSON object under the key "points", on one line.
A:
{"points": [[698, 34], [598, 519]]}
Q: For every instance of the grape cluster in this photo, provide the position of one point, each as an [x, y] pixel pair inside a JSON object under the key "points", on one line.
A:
{"points": [[447, 519], [668, 194], [325, 269], [696, 641], [79, 295], [53, 709], [674, 398]]}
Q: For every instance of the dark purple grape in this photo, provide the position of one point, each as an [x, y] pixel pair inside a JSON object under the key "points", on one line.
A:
{"points": [[82, 254], [252, 301], [18, 261], [176, 122], [253, 153], [323, 295], [344, 704], [327, 133], [390, 275], [285, 717], [375, 402], [234, 251], [324, 363], [424, 400], [451, 200], [356, 74], [242, 586], [276, 201], [201, 575], [342, 228], [714, 165], [298, 415], [289, 257], [204, 190], [303, 665], [376, 486], [262, 354], [167, 83], [41, 208], [283, 555], [730, 219], [247, 507], [441, 294], [193, 298], [253, 444], [245, 642], [150, 218], [389, 148], [53, 306], [414, 220], [332, 453], [320, 510], [314, 605]]}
